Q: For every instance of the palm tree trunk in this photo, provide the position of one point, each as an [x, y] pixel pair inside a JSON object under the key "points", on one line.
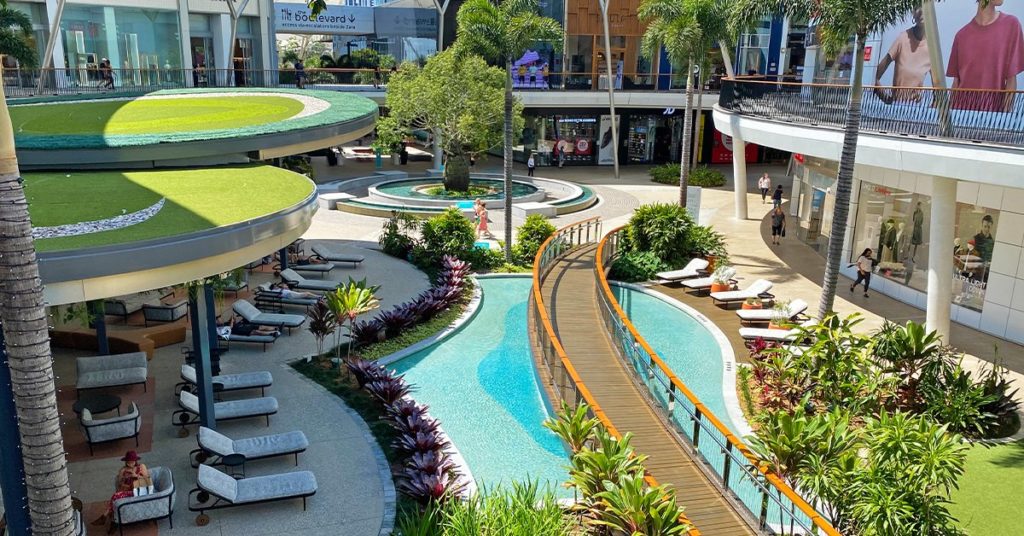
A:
{"points": [[508, 160], [28, 351], [696, 122], [844, 183], [684, 161]]}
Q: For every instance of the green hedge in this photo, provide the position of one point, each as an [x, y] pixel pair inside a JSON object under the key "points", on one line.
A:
{"points": [[702, 176]]}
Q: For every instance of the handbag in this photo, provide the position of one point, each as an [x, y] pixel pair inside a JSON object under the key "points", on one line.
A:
{"points": [[783, 232]]}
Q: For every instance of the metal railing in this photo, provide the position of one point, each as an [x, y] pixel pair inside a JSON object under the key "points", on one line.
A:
{"points": [[774, 503], [564, 379], [962, 115], [19, 83]]}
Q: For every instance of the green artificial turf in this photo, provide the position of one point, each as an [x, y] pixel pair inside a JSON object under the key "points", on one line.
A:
{"points": [[151, 116], [991, 492], [197, 199]]}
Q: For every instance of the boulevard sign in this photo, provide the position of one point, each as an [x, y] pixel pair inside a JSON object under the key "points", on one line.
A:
{"points": [[335, 20]]}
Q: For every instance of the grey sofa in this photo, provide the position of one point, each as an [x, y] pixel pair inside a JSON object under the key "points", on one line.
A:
{"points": [[164, 312], [111, 370], [111, 429], [217, 490], [156, 505], [253, 315]]}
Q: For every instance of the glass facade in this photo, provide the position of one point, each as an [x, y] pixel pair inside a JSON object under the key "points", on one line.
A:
{"points": [[141, 44], [37, 16]]}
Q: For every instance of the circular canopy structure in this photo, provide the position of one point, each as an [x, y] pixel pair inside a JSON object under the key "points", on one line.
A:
{"points": [[105, 233], [175, 126]]}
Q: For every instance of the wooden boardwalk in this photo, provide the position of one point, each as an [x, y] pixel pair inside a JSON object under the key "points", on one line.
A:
{"points": [[569, 292]]}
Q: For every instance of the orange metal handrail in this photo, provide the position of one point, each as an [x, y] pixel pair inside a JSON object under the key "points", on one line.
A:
{"points": [[539, 273], [816, 518]]}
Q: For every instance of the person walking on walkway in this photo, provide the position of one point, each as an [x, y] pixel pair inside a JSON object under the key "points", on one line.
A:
{"points": [[765, 184], [778, 225], [864, 266], [777, 197], [531, 165]]}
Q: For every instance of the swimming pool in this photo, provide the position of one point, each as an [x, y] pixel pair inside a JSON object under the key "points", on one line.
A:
{"points": [[481, 384]]}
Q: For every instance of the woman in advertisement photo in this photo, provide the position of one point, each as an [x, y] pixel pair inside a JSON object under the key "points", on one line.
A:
{"points": [[988, 54]]}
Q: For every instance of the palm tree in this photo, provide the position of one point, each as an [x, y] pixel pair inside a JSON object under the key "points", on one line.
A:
{"points": [[25, 330], [351, 300], [837, 21], [501, 33], [16, 37], [687, 29]]}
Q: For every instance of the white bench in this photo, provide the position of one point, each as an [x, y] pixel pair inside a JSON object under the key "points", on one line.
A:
{"points": [[330, 200], [523, 210]]}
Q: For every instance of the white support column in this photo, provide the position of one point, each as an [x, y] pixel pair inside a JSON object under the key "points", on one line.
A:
{"points": [[185, 33], [940, 256], [113, 50], [739, 176], [222, 52], [794, 196], [53, 12]]}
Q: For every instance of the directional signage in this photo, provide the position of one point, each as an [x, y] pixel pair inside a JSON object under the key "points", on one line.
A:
{"points": [[335, 20]]}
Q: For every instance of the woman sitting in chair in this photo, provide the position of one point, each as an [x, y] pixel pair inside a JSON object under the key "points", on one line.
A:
{"points": [[133, 474]]}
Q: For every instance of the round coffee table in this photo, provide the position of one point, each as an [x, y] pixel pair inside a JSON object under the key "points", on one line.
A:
{"points": [[235, 465], [97, 403]]}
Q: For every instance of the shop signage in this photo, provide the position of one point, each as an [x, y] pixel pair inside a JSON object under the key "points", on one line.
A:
{"points": [[405, 22], [668, 111], [335, 20]]}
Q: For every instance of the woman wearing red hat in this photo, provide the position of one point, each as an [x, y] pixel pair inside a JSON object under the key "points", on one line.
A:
{"points": [[132, 475]]}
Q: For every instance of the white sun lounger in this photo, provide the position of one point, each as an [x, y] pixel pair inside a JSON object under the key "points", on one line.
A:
{"points": [[692, 269], [230, 382], [326, 254], [795, 308], [215, 490], [213, 446], [254, 316], [775, 335], [298, 282], [222, 411], [702, 283], [757, 289]]}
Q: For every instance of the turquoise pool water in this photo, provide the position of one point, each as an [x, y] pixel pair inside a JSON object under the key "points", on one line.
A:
{"points": [[407, 188], [481, 384]]}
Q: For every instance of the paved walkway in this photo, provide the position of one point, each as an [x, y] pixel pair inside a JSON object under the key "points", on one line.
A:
{"points": [[352, 495], [570, 295]]}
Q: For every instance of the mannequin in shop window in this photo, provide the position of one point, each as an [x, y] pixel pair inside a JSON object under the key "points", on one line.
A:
{"points": [[917, 236], [897, 243], [886, 238]]}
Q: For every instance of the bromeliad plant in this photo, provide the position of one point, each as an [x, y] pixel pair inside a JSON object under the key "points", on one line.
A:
{"points": [[351, 300]]}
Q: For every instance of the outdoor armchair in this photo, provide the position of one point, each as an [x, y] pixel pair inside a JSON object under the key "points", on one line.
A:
{"points": [[164, 312], [156, 505], [111, 429]]}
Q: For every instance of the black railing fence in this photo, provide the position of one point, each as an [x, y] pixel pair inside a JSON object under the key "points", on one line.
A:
{"points": [[962, 115]]}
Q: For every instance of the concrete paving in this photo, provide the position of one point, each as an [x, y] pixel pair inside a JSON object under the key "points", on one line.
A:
{"points": [[352, 494]]}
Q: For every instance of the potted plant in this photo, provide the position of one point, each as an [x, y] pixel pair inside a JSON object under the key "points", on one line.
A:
{"points": [[708, 243], [752, 303], [780, 316], [720, 279]]}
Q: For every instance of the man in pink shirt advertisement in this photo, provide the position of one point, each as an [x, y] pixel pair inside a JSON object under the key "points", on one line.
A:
{"points": [[987, 54], [909, 53]]}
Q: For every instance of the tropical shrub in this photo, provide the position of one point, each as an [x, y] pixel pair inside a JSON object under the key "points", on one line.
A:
{"points": [[484, 258], [530, 235], [449, 233], [322, 323], [396, 320], [662, 229], [367, 331], [635, 266], [440, 485], [365, 371], [705, 241], [573, 425], [631, 507], [705, 177], [665, 174], [397, 239], [349, 301], [521, 510], [389, 389]]}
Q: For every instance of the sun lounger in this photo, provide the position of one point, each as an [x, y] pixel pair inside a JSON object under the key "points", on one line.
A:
{"points": [[757, 289], [326, 254], [228, 382], [298, 282], [222, 411], [692, 269], [253, 315], [213, 446], [793, 310], [217, 490], [253, 338], [267, 297], [775, 335], [704, 283], [312, 268]]}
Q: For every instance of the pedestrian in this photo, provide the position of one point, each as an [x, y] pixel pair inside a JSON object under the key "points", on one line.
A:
{"points": [[106, 74], [376, 77], [300, 74], [777, 197], [864, 266], [531, 165], [765, 184], [778, 225]]}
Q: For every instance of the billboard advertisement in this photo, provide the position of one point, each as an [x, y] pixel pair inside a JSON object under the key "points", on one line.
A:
{"points": [[606, 150], [335, 20], [982, 49]]}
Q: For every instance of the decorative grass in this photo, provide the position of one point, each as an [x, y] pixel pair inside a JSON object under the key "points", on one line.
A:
{"points": [[197, 199], [199, 120], [990, 496], [151, 116]]}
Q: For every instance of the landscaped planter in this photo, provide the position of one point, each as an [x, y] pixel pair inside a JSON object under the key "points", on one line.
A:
{"points": [[749, 306], [721, 287]]}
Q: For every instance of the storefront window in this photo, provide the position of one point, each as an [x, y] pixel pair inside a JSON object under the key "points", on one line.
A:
{"points": [[142, 45]]}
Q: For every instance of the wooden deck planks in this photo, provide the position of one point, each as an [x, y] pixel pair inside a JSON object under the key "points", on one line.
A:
{"points": [[570, 294]]}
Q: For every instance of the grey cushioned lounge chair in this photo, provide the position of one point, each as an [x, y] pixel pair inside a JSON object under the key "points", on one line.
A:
{"points": [[271, 298], [326, 254], [228, 382], [111, 429], [156, 505], [222, 411], [297, 281], [213, 446], [217, 490], [111, 370], [253, 315]]}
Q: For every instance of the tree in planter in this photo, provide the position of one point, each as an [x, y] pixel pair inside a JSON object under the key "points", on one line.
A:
{"points": [[501, 33], [460, 98], [837, 22], [348, 302], [687, 29]]}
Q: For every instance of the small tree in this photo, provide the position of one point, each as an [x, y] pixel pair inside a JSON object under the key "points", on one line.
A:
{"points": [[461, 99], [348, 302], [16, 37], [322, 322]]}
